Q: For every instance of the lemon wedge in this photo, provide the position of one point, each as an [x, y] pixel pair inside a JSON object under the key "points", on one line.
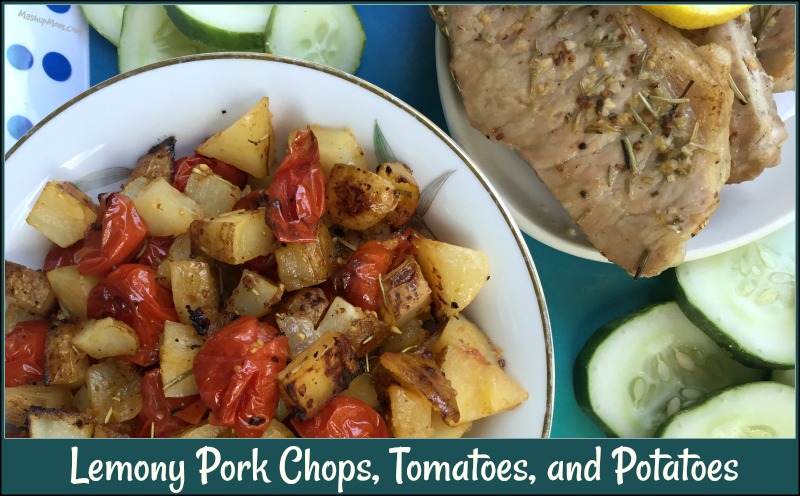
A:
{"points": [[696, 16]]}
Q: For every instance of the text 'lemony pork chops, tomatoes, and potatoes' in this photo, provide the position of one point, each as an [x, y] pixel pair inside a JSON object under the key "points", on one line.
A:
{"points": [[633, 124], [218, 295]]}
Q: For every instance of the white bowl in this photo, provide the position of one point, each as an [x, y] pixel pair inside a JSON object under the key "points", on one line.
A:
{"points": [[115, 122]]}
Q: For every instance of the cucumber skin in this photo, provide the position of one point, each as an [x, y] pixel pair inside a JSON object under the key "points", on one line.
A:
{"points": [[245, 41], [580, 373], [713, 394], [723, 340]]}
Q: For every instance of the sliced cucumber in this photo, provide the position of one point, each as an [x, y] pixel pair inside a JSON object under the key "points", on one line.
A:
{"points": [[758, 409], [232, 27], [331, 35], [785, 376], [149, 36], [635, 372], [745, 299], [105, 19]]}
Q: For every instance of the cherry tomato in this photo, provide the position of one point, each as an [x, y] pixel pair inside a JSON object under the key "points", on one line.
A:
{"points": [[184, 166], [252, 201], [357, 279], [194, 412], [131, 294], [24, 361], [158, 409], [343, 417], [236, 371], [113, 239], [297, 192], [155, 250], [59, 257]]}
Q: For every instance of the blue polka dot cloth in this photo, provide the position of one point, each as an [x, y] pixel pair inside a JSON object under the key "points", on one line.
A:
{"points": [[45, 63]]}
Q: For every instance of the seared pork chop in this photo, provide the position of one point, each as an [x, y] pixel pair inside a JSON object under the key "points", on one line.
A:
{"points": [[774, 26], [623, 118], [757, 131]]}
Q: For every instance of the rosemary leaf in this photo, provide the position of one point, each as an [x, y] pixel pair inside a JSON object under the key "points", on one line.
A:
{"points": [[178, 379], [739, 95], [639, 121], [642, 264], [647, 105], [676, 101], [630, 157], [624, 25]]}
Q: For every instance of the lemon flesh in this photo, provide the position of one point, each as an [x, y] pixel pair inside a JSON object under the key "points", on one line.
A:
{"points": [[696, 16]]}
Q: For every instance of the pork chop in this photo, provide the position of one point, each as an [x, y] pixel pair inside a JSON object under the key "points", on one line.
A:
{"points": [[757, 131], [623, 118], [774, 26]]}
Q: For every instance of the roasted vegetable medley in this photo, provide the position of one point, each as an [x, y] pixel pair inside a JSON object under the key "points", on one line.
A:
{"points": [[226, 294]]}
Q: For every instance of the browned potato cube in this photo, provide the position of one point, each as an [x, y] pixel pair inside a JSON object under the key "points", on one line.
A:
{"points": [[114, 390], [165, 210], [29, 289], [254, 296], [407, 292], [64, 364], [158, 162], [460, 331], [16, 314], [319, 373], [363, 388], [409, 413], [72, 289], [47, 423], [420, 374], [194, 285], [62, 213], [179, 345], [19, 399], [410, 337], [336, 146], [307, 303], [105, 338], [277, 430], [234, 237], [401, 177], [211, 191], [301, 265], [357, 198]]}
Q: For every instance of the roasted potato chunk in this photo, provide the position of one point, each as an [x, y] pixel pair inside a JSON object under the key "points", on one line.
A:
{"points": [[336, 146], [363, 388], [194, 286], [409, 413], [357, 198], [460, 331], [207, 431], [248, 144], [16, 314], [254, 295], [64, 363], [115, 431], [165, 210], [179, 345], [455, 274], [421, 374], [105, 338], [407, 292], [72, 289], [410, 337], [62, 213], [234, 237], [301, 265], [401, 177], [211, 191], [29, 289], [114, 391], [307, 303], [157, 162], [20, 399], [48, 423], [277, 430], [319, 373]]}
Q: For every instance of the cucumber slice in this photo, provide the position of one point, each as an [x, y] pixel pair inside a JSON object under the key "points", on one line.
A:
{"points": [[149, 36], [636, 371], [745, 299], [232, 27], [105, 19], [786, 376], [331, 35], [758, 409]]}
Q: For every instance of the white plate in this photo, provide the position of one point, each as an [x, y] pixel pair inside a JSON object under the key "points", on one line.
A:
{"points": [[746, 212], [152, 103]]}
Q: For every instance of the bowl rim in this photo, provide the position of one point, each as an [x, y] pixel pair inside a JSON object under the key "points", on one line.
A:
{"points": [[454, 147]]}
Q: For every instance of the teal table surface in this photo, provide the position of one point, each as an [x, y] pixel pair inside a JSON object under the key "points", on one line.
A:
{"points": [[581, 295]]}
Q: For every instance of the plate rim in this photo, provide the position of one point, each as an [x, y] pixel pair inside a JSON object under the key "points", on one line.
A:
{"points": [[425, 121]]}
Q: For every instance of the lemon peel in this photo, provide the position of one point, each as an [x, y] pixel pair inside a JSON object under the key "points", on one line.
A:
{"points": [[696, 16]]}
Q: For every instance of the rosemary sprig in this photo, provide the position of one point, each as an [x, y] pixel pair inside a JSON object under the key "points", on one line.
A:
{"points": [[624, 25], [647, 105], [737, 93], [639, 121], [599, 83], [630, 157], [676, 101], [642, 264], [560, 16], [643, 59], [609, 44], [178, 379]]}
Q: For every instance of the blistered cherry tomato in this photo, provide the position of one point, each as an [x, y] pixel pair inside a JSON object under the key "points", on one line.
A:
{"points": [[252, 200], [236, 372], [24, 363], [357, 280], [297, 192], [113, 239], [184, 166], [155, 250], [159, 410], [343, 417], [59, 257], [131, 294]]}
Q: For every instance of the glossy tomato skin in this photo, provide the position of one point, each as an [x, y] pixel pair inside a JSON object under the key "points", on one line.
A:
{"points": [[132, 294], [158, 409], [343, 417], [155, 250], [59, 257], [236, 372], [357, 280], [184, 166], [297, 193], [252, 200], [24, 358], [115, 238]]}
